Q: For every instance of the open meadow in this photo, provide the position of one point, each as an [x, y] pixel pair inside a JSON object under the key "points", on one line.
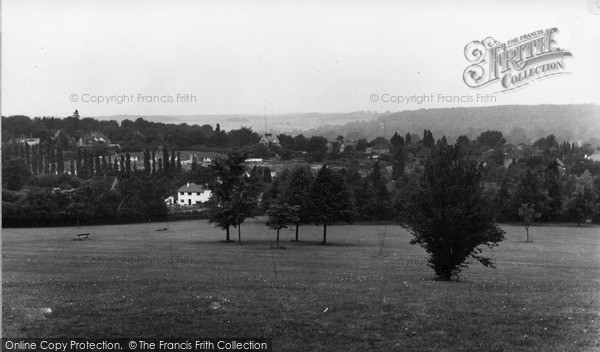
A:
{"points": [[368, 290]]}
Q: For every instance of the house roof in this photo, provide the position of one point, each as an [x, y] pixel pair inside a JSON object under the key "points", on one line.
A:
{"points": [[269, 138], [94, 138], [191, 187]]}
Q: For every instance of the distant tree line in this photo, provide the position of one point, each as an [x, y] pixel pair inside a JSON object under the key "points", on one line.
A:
{"points": [[542, 181], [48, 159]]}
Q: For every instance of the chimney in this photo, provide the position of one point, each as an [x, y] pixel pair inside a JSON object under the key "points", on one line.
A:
{"points": [[188, 185]]}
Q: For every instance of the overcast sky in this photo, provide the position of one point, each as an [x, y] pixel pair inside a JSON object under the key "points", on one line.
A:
{"points": [[274, 56]]}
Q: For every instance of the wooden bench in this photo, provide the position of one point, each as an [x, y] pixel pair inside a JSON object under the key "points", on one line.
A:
{"points": [[81, 237]]}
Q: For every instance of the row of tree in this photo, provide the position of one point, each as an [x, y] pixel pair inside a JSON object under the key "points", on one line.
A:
{"points": [[22, 160], [296, 197], [447, 210]]}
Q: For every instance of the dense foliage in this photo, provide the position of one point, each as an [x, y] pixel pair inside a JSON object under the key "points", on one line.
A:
{"points": [[59, 181], [449, 215]]}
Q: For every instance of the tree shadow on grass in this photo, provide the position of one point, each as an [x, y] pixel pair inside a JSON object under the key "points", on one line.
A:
{"points": [[328, 244], [267, 244]]}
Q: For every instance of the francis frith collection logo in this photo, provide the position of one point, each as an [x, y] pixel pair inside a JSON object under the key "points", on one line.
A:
{"points": [[515, 63]]}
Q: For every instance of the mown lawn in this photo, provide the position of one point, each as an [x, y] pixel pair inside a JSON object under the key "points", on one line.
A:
{"points": [[368, 290]]}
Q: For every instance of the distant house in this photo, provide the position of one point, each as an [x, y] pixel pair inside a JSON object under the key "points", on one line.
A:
{"points": [[192, 194], [205, 160], [594, 157], [378, 149], [202, 158], [561, 166], [254, 160], [340, 144], [170, 200], [30, 141], [269, 139], [512, 157], [347, 144], [95, 140]]}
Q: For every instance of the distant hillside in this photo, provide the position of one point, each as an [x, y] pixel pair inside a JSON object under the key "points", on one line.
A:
{"points": [[276, 123], [519, 123]]}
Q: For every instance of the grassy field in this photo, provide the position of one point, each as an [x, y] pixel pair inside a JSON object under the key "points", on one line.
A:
{"points": [[368, 290]]}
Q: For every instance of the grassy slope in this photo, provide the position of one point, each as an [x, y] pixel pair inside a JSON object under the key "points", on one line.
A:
{"points": [[544, 296]]}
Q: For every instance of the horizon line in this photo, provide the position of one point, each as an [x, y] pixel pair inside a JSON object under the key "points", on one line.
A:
{"points": [[306, 113]]}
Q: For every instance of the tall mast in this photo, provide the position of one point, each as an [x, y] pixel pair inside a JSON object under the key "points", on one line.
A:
{"points": [[265, 114]]}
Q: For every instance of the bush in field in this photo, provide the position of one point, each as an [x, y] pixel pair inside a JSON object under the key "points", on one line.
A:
{"points": [[449, 215]]}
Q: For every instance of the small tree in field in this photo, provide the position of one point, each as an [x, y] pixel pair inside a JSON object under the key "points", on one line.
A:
{"points": [[528, 215], [449, 215], [280, 215]]}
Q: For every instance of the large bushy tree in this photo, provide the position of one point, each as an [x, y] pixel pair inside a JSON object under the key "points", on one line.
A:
{"points": [[142, 196], [15, 173], [296, 193], [530, 190], [281, 214], [243, 201], [242, 137], [399, 163], [449, 215], [228, 174], [317, 147], [583, 202], [491, 139], [330, 199], [372, 198]]}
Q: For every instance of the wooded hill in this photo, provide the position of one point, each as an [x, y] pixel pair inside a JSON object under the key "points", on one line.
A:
{"points": [[518, 123]]}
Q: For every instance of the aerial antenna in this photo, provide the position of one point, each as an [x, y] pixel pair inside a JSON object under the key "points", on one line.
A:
{"points": [[265, 114]]}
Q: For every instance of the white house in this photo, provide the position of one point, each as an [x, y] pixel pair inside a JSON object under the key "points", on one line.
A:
{"points": [[191, 194], [30, 141]]}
